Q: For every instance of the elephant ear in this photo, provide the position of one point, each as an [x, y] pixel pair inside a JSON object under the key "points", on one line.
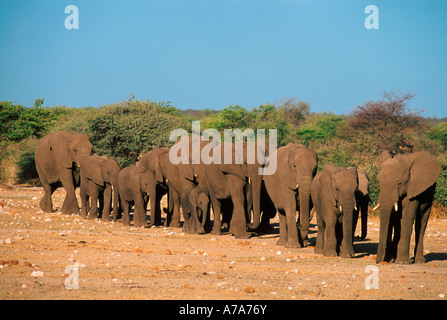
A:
{"points": [[363, 181], [92, 170], [383, 156], [424, 171], [285, 172], [326, 183], [59, 144]]}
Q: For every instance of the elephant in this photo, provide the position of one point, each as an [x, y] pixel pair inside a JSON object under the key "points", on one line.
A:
{"points": [[134, 184], [289, 188], [363, 199], [407, 185], [187, 174], [258, 198], [58, 156], [99, 175], [176, 184], [195, 205], [228, 181], [333, 193], [158, 187]]}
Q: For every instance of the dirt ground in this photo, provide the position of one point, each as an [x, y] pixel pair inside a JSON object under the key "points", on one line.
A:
{"points": [[41, 254]]}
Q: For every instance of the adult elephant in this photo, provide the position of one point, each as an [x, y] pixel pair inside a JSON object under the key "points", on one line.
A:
{"points": [[296, 167], [334, 197], [228, 181], [185, 170], [58, 156], [177, 183], [158, 188], [407, 186], [99, 175], [255, 156]]}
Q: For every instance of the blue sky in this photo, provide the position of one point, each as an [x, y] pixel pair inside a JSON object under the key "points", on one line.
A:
{"points": [[214, 53]]}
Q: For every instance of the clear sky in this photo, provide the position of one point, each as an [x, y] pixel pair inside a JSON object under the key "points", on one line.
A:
{"points": [[214, 53]]}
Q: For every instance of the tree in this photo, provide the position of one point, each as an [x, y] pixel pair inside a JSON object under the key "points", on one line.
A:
{"points": [[320, 127], [387, 119], [295, 112]]}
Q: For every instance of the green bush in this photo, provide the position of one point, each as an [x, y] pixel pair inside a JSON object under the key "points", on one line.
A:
{"points": [[129, 129], [441, 185]]}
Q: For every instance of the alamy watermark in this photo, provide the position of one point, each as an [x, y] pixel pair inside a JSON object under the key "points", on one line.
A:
{"points": [[212, 153], [72, 279], [372, 280]]}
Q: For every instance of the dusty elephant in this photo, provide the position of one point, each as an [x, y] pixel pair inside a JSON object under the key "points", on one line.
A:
{"points": [[334, 197], [291, 183], [407, 185], [134, 184], [174, 176], [228, 181], [195, 203], [99, 175], [58, 156], [158, 187]]}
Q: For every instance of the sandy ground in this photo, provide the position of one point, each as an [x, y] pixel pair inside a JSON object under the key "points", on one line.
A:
{"points": [[42, 253]]}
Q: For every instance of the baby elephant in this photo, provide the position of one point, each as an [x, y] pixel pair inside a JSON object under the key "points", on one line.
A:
{"points": [[134, 186], [98, 175], [333, 193], [195, 206]]}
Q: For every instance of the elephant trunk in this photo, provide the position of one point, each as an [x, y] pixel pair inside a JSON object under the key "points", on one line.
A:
{"points": [[256, 182], [305, 206], [386, 208], [347, 250]]}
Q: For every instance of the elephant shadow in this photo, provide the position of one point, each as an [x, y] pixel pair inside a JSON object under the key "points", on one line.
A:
{"points": [[365, 248], [436, 256]]}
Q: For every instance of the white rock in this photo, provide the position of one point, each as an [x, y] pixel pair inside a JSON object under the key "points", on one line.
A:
{"points": [[37, 274]]}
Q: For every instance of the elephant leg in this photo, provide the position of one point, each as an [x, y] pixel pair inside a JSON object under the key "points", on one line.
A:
{"points": [[403, 246], [292, 230], [139, 212], [125, 220], [421, 222], [153, 200], [187, 221], [216, 212], [46, 203], [93, 206], [238, 223], [158, 197], [419, 230], [330, 247], [319, 246], [85, 204], [175, 218], [282, 228], [70, 205], [107, 199]]}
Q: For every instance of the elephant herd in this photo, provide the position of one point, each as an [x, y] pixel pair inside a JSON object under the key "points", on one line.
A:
{"points": [[241, 198]]}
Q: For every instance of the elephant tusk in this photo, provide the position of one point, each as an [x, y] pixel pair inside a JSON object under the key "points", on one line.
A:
{"points": [[296, 187], [167, 180], [376, 207], [249, 180], [355, 207], [341, 208], [396, 206]]}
